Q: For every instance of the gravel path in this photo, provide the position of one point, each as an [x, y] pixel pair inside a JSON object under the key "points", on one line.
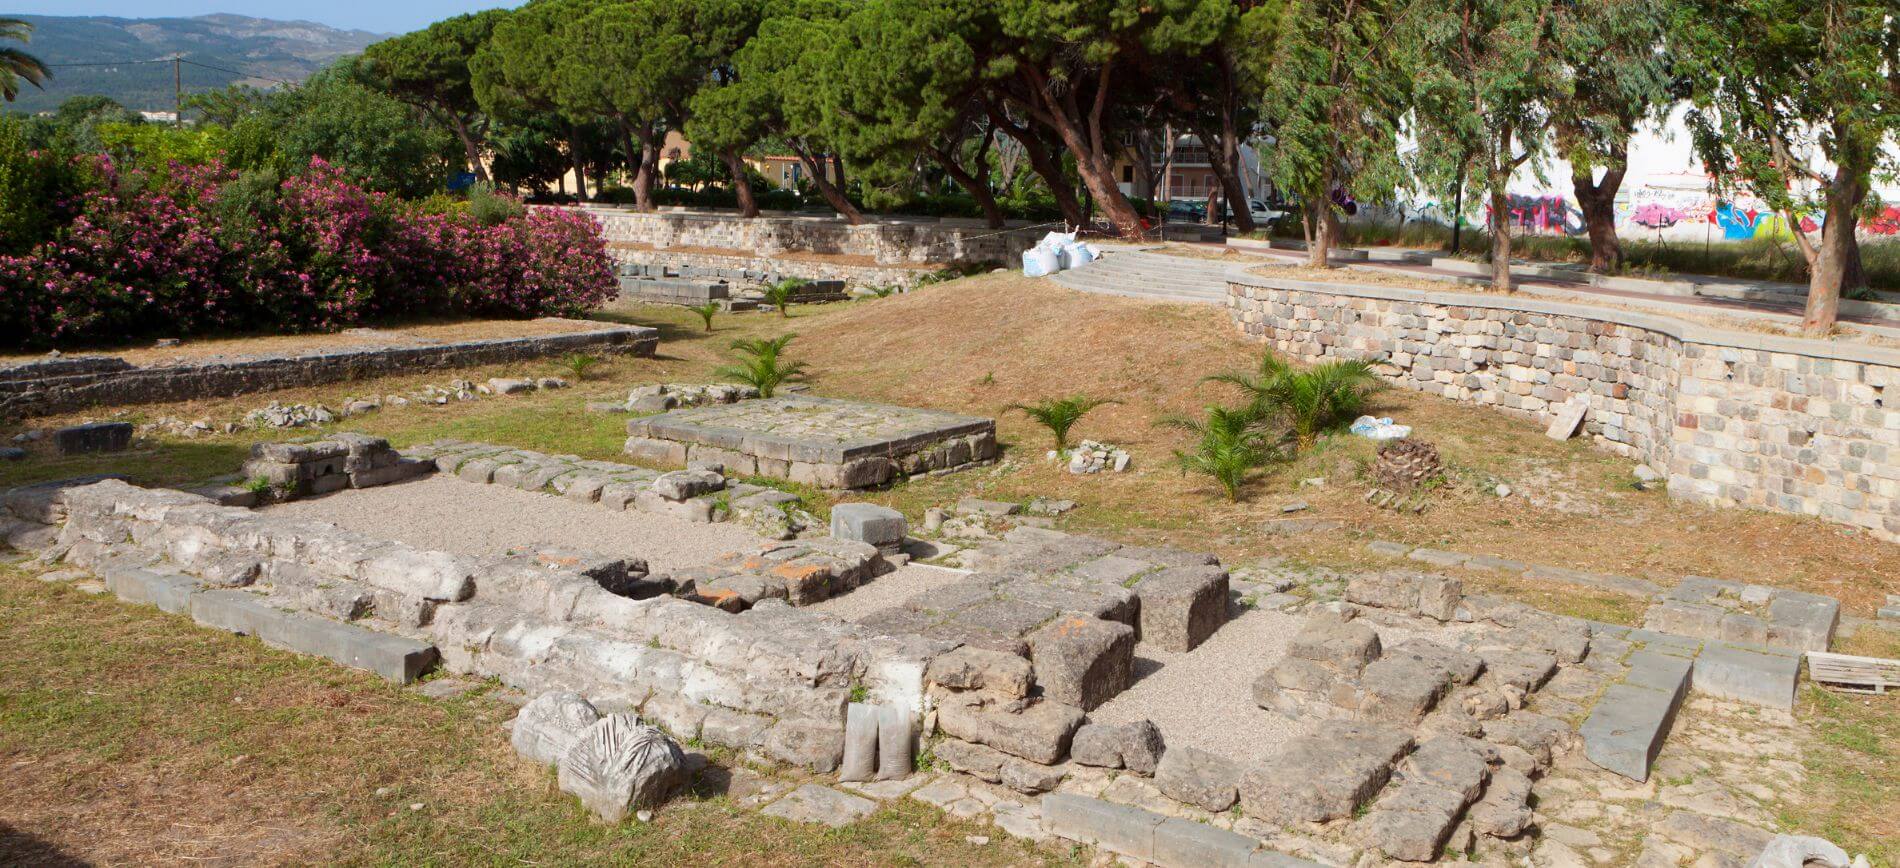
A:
{"points": [[466, 518], [1204, 698], [889, 590]]}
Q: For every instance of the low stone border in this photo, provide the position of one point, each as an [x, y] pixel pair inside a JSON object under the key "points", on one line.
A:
{"points": [[1627, 585], [40, 388], [850, 275]]}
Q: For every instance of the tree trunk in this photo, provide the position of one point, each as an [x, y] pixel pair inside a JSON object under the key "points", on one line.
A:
{"points": [[649, 166], [1082, 134], [470, 150], [741, 185], [1225, 161], [1045, 165], [1598, 202], [1319, 246], [837, 167], [579, 161], [978, 188], [1827, 275], [1500, 238], [832, 194]]}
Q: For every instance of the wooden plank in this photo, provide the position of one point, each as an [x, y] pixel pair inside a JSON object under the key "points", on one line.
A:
{"points": [[1873, 673]]}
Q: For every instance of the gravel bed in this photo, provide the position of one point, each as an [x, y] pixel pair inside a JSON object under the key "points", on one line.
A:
{"points": [[1204, 698], [467, 518]]}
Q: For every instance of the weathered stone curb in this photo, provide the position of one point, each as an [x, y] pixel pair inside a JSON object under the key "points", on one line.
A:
{"points": [[393, 657], [36, 390], [1629, 585], [1164, 841]]}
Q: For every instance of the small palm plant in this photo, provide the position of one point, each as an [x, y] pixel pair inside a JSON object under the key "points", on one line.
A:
{"points": [[883, 291], [579, 364], [761, 364], [16, 65], [1060, 414], [779, 295], [1228, 446], [1308, 402], [706, 312]]}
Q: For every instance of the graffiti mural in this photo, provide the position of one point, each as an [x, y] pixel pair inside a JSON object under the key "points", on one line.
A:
{"points": [[1543, 215]]}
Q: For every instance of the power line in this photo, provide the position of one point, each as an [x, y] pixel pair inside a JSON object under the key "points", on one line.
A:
{"points": [[173, 60]]}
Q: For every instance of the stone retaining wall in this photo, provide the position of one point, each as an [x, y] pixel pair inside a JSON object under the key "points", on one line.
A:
{"points": [[39, 388], [887, 242], [1760, 421], [906, 276]]}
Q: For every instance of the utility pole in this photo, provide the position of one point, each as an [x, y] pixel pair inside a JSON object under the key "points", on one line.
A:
{"points": [[178, 91]]}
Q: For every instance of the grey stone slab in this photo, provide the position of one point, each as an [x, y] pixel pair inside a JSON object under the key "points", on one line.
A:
{"points": [[1389, 549], [812, 803], [880, 526], [1746, 675], [168, 591], [393, 657], [1440, 558], [1121, 829], [1626, 729], [1629, 585], [93, 437], [1658, 671], [1187, 844]]}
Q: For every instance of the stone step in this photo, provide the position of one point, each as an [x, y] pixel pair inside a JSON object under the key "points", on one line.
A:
{"points": [[1136, 286], [393, 657], [1627, 727], [168, 591]]}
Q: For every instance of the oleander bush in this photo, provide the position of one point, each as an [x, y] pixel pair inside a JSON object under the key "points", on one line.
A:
{"points": [[191, 249]]}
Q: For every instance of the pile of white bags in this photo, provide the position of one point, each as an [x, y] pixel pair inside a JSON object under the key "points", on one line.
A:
{"points": [[1055, 252], [1380, 428]]}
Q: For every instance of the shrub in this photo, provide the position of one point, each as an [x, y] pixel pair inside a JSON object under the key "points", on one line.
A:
{"points": [[194, 249], [1228, 446], [579, 364], [706, 312], [760, 364], [1307, 402], [1060, 414]]}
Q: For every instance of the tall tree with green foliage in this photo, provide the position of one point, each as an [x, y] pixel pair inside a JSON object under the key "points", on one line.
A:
{"points": [[15, 64], [1336, 89], [1482, 93], [777, 93], [334, 115], [1776, 83], [1217, 96], [513, 74], [1065, 63], [1618, 78], [428, 69]]}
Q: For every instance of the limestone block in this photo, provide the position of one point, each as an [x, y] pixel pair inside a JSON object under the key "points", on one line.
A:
{"points": [[1198, 778], [1323, 777], [971, 668], [1039, 731], [868, 523], [1136, 746], [1083, 661], [1181, 607]]}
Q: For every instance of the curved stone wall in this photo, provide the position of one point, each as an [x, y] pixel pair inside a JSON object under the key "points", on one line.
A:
{"points": [[1735, 419], [887, 242]]}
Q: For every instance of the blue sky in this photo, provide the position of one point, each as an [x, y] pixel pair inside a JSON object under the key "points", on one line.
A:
{"points": [[378, 16]]}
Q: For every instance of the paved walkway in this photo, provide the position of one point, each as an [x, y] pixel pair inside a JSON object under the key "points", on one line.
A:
{"points": [[1139, 273]]}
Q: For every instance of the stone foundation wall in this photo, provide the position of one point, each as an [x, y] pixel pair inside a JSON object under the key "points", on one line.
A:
{"points": [[852, 275], [38, 388], [772, 679], [1759, 421], [886, 242]]}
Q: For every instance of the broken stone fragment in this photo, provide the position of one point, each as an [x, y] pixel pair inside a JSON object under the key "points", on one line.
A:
{"points": [[547, 727], [971, 668], [618, 765], [1136, 746], [1083, 661]]}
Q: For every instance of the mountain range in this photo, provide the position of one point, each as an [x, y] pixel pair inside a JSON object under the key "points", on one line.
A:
{"points": [[255, 51]]}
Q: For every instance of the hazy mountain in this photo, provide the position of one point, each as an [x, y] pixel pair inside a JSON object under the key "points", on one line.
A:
{"points": [[258, 49]]}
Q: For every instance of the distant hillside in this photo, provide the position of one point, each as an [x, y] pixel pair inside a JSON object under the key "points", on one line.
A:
{"points": [[261, 48]]}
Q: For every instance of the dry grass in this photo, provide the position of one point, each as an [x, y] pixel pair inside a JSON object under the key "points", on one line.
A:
{"points": [[980, 344], [188, 745], [410, 334]]}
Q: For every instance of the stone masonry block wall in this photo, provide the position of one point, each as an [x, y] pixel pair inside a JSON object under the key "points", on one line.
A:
{"points": [[853, 275], [886, 242], [39, 389], [773, 679], [1759, 421]]}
